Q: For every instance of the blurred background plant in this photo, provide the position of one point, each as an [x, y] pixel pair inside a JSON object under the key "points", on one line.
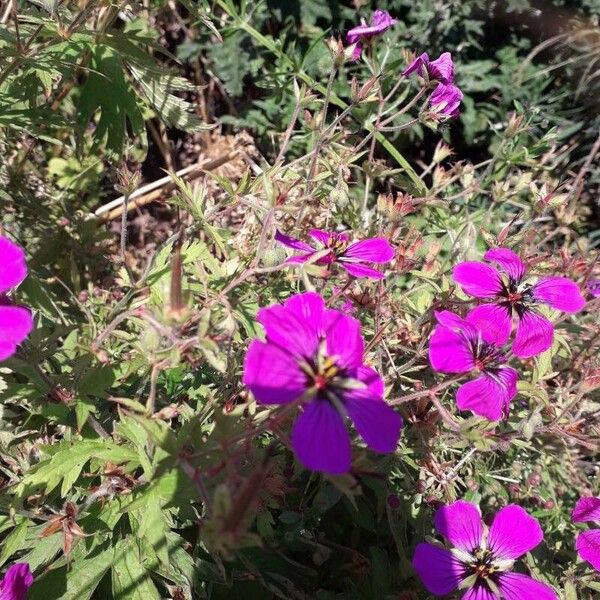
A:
{"points": [[133, 462]]}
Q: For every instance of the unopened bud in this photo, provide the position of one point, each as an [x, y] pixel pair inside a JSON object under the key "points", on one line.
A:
{"points": [[514, 125]]}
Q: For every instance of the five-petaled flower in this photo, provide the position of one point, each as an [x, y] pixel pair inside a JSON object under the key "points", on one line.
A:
{"points": [[457, 346], [381, 20], [588, 542], [512, 296], [441, 69], [315, 356], [336, 247], [482, 559], [15, 321], [16, 582]]}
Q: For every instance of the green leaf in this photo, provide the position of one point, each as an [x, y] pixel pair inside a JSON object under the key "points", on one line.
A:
{"points": [[116, 109], [67, 463], [13, 541], [158, 86], [130, 580], [83, 578]]}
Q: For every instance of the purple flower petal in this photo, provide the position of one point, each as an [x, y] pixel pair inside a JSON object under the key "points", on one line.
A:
{"points": [[560, 293], [291, 242], [300, 259], [515, 586], [510, 262], [489, 395], [446, 99], [16, 582], [417, 64], [479, 591], [494, 321], [456, 323], [593, 286], [586, 509], [320, 235], [295, 326], [356, 53], [361, 271], [449, 351], [477, 279], [272, 374], [439, 570], [513, 533], [588, 547], [320, 439], [534, 335], [376, 422], [344, 340], [376, 250], [15, 325], [451, 320], [442, 68], [380, 21], [14, 268], [460, 523]]}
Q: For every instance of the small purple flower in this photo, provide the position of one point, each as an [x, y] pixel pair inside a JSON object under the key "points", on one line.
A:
{"points": [[593, 286], [440, 69], [457, 346], [445, 100], [511, 296], [588, 542], [481, 560], [16, 582], [336, 247], [381, 20], [315, 356], [15, 321]]}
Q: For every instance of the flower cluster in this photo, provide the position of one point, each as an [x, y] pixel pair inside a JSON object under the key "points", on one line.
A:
{"points": [[510, 297], [474, 344], [482, 559], [16, 582], [446, 97], [314, 356], [336, 248], [15, 321]]}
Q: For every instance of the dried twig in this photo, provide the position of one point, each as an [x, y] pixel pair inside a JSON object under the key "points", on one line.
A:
{"points": [[152, 191]]}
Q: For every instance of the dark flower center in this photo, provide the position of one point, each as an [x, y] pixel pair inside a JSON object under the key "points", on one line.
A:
{"points": [[337, 244], [321, 372], [483, 566], [485, 355], [513, 296]]}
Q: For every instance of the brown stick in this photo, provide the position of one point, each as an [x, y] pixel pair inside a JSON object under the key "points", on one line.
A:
{"points": [[169, 186]]}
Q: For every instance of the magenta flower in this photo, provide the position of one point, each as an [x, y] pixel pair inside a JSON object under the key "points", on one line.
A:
{"points": [[457, 346], [15, 321], [381, 20], [588, 542], [16, 582], [440, 69], [314, 356], [445, 100], [481, 560], [512, 297], [593, 286], [336, 247]]}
